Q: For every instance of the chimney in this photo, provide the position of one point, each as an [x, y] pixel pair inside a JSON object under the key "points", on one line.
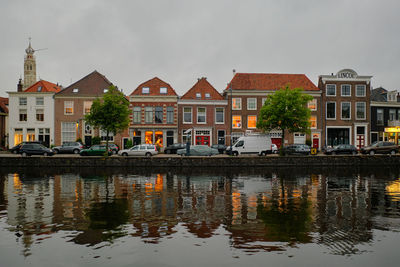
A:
{"points": [[398, 97], [19, 85]]}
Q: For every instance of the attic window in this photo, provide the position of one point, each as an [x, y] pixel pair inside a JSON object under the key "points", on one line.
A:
{"points": [[39, 89], [208, 95], [105, 90], [75, 90], [163, 90], [198, 95], [145, 90]]}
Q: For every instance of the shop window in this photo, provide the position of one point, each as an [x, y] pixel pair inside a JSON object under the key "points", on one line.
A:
{"points": [[149, 137], [30, 135], [251, 121], [18, 136], [158, 139], [237, 121]]}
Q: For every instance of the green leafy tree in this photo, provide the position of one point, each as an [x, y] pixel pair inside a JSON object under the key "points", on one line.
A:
{"points": [[110, 114], [286, 109]]}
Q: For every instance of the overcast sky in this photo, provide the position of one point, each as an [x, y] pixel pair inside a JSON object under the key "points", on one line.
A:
{"points": [[131, 42]]}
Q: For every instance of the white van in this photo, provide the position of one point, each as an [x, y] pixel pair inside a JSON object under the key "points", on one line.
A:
{"points": [[252, 144]]}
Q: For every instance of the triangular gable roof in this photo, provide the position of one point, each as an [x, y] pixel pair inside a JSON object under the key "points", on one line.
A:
{"points": [[270, 81], [43, 86], [202, 86], [154, 88], [92, 84]]}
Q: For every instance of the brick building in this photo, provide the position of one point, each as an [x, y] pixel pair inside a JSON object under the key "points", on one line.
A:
{"points": [[71, 105], [3, 121], [247, 93], [202, 115], [154, 118], [346, 102]]}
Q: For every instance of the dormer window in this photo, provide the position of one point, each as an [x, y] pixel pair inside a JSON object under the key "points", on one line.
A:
{"points": [[208, 95], [163, 90], [198, 95], [105, 90], [145, 90], [39, 89], [75, 90]]}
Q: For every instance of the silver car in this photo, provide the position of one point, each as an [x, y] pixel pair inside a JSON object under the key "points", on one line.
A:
{"points": [[147, 150], [69, 147], [199, 151]]}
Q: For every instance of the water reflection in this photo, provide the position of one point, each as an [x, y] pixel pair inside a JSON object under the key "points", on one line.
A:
{"points": [[266, 212]]}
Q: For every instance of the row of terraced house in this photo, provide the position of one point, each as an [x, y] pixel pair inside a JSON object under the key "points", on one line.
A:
{"points": [[340, 110]]}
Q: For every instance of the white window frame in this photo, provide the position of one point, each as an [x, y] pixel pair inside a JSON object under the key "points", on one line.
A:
{"points": [[138, 112], [168, 121], [198, 95], [240, 103], [365, 111], [40, 102], [248, 122], [392, 111], [223, 115], [23, 101], [103, 136], [341, 111], [145, 90], [68, 104], [163, 90], [326, 108], [313, 101], [85, 103], [326, 88], [341, 90], [205, 115], [36, 117], [191, 115], [377, 115], [316, 122], [71, 130], [365, 90], [21, 112], [248, 103], [263, 100], [146, 111]]}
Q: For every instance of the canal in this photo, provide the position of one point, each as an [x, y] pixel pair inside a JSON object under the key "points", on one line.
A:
{"points": [[199, 217]]}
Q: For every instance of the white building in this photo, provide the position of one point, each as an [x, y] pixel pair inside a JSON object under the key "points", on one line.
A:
{"points": [[31, 113]]}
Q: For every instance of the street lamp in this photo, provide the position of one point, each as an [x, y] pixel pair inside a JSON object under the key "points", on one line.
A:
{"points": [[231, 103]]}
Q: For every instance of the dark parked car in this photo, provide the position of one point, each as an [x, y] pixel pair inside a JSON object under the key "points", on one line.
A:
{"points": [[95, 150], [35, 149], [380, 147], [221, 148], [299, 149], [69, 147], [199, 150], [15, 149], [341, 149], [171, 149]]}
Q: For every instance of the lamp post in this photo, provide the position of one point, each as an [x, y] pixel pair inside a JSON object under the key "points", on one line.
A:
{"points": [[231, 103]]}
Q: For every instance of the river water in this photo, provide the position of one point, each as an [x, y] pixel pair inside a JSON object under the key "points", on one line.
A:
{"points": [[212, 217]]}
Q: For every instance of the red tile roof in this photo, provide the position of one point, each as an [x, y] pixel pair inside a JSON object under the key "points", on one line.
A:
{"points": [[44, 86], [92, 84], [270, 81], [154, 86], [203, 86], [3, 104]]}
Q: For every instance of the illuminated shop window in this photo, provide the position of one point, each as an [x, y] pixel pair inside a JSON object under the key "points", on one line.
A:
{"points": [[158, 137], [251, 121], [149, 137]]}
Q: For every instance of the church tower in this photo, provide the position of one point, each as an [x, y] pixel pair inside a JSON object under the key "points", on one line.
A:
{"points": [[29, 67]]}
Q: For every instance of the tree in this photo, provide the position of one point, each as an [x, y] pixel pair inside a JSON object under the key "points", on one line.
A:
{"points": [[286, 109], [110, 114]]}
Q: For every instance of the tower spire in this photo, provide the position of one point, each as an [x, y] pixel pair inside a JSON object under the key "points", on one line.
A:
{"points": [[29, 66]]}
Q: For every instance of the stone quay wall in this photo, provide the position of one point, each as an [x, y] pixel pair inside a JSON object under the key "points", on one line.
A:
{"points": [[245, 162]]}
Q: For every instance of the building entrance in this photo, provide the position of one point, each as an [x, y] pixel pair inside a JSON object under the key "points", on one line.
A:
{"points": [[338, 136]]}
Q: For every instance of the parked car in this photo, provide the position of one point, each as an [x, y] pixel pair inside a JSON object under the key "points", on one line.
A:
{"points": [[252, 144], [199, 150], [300, 149], [114, 148], [15, 149], [171, 149], [69, 147], [274, 149], [228, 150], [341, 149], [147, 150], [380, 147], [95, 150], [35, 149], [221, 148]]}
